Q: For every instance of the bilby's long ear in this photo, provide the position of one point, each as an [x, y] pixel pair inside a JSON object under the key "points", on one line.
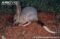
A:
{"points": [[18, 8]]}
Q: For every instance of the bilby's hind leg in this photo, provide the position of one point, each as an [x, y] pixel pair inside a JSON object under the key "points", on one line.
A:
{"points": [[25, 24]]}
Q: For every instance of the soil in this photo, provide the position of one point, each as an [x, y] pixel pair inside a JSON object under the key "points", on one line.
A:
{"points": [[32, 31]]}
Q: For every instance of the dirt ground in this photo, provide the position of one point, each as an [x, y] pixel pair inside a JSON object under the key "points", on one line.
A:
{"points": [[32, 31]]}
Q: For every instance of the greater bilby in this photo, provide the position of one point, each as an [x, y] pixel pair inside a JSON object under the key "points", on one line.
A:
{"points": [[27, 15]]}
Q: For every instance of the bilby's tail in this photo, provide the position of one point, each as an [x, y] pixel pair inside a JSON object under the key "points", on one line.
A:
{"points": [[45, 27]]}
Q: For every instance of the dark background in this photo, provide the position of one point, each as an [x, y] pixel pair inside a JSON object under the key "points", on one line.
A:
{"points": [[40, 5]]}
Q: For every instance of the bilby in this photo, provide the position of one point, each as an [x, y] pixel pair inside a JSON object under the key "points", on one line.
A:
{"points": [[27, 15]]}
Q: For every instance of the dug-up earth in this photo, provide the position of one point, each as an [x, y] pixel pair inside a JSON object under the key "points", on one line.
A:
{"points": [[32, 31]]}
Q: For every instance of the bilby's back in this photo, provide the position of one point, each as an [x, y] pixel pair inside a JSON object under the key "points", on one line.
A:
{"points": [[30, 13]]}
